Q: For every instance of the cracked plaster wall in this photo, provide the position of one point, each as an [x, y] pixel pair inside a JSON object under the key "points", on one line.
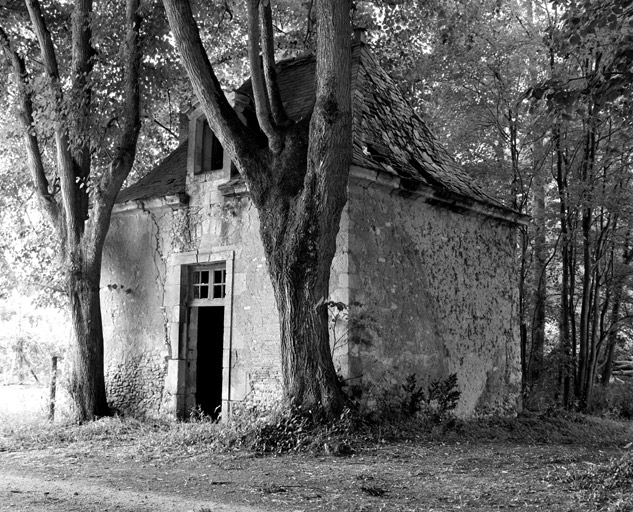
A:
{"points": [[148, 368], [132, 291], [438, 293]]}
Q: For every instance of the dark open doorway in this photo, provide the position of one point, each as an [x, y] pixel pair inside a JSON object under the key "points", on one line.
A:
{"points": [[209, 362]]}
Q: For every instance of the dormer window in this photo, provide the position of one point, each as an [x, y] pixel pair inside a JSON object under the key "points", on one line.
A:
{"points": [[210, 154]]}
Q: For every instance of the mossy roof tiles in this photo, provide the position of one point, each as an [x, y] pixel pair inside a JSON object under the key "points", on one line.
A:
{"points": [[167, 178], [389, 136]]}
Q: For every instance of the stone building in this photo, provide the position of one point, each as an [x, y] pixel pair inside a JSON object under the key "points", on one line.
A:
{"points": [[424, 257]]}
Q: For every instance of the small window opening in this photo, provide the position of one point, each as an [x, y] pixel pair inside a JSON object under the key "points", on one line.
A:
{"points": [[212, 153], [219, 284], [209, 284]]}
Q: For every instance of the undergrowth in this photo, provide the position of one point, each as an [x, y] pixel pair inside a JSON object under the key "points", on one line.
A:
{"points": [[609, 485], [613, 401], [276, 432]]}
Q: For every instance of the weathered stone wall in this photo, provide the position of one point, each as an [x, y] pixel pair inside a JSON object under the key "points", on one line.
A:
{"points": [[132, 291], [135, 384], [438, 292], [230, 223], [149, 366]]}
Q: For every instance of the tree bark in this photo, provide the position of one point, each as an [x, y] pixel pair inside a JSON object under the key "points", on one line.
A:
{"points": [[87, 381], [309, 377]]}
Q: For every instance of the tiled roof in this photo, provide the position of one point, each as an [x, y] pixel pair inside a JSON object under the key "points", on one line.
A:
{"points": [[167, 178], [389, 136]]}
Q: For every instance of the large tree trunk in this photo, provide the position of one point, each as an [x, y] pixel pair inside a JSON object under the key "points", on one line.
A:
{"points": [[297, 180], [299, 237], [87, 383], [309, 376]]}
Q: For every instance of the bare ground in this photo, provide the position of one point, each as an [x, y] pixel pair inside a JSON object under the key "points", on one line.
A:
{"points": [[108, 476]]}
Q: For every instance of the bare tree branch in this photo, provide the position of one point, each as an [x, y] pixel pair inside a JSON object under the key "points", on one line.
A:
{"points": [[33, 154], [260, 95], [167, 129], [280, 117]]}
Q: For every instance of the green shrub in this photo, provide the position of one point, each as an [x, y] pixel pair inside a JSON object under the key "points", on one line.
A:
{"points": [[414, 396], [613, 401], [436, 403]]}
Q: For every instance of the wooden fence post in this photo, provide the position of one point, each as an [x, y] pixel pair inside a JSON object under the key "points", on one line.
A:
{"points": [[51, 404]]}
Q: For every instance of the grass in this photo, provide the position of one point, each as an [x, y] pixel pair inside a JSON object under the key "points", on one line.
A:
{"points": [[610, 485], [23, 425], [280, 433]]}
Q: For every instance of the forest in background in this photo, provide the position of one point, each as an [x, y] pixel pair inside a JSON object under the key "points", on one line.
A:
{"points": [[532, 98]]}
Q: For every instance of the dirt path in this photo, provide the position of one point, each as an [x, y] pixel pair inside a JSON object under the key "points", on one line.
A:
{"points": [[483, 477], [31, 493]]}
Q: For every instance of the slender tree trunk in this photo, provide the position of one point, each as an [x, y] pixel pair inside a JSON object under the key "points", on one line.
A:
{"points": [[612, 338], [537, 346], [565, 372], [601, 292], [592, 359], [566, 364], [540, 294], [584, 362], [525, 378]]}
